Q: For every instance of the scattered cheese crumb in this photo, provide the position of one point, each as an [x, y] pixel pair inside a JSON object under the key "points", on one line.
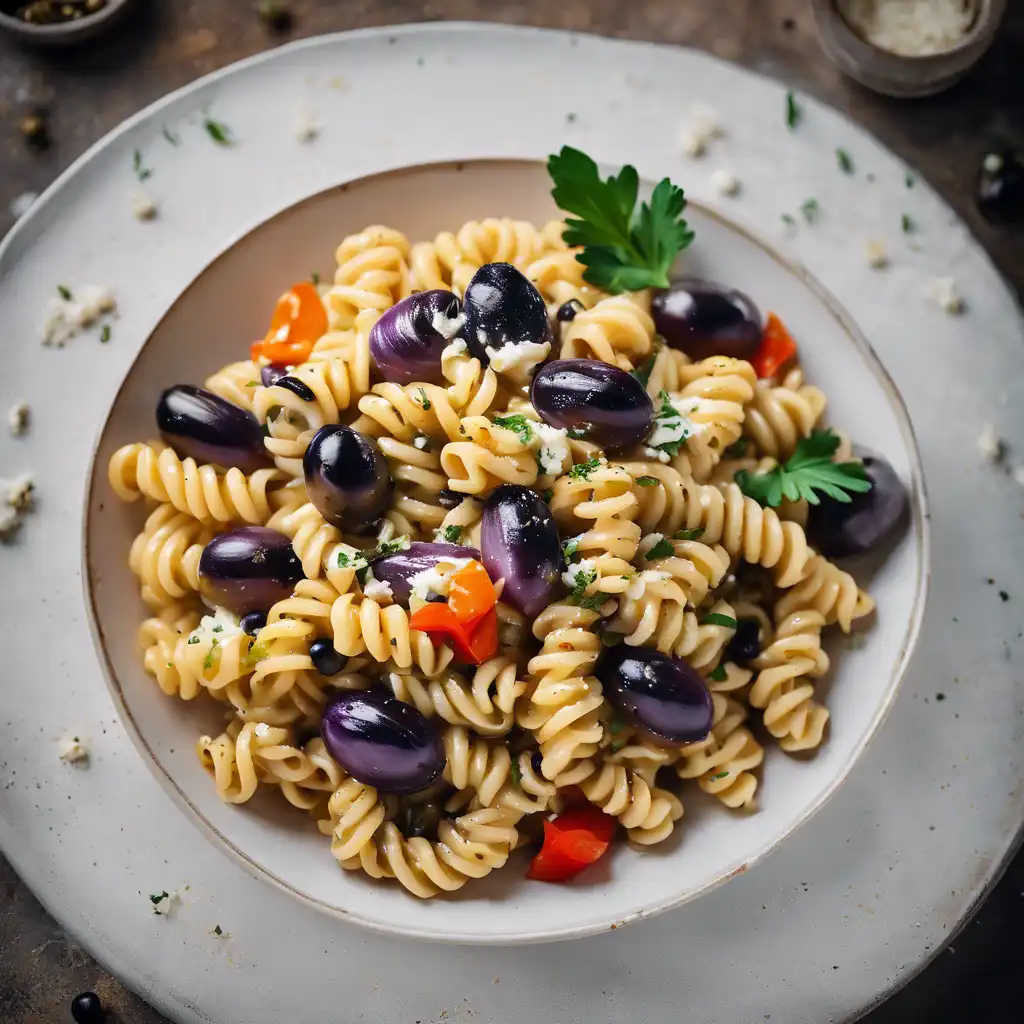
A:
{"points": [[584, 565], [422, 442], [214, 630], [20, 205], [553, 453], [945, 294], [456, 348], [306, 127], [702, 127], [73, 749], [17, 418], [17, 502], [1018, 475], [377, 590], [517, 360], [262, 729], [990, 444], [65, 317], [874, 253], [654, 453], [449, 326], [143, 207], [725, 183]]}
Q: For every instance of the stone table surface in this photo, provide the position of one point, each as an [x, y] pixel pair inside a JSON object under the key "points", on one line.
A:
{"points": [[163, 44]]}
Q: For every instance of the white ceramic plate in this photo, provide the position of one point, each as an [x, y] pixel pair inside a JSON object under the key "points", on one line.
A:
{"points": [[851, 905], [232, 300]]}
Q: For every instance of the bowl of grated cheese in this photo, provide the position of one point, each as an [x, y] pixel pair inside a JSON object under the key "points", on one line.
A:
{"points": [[907, 48]]}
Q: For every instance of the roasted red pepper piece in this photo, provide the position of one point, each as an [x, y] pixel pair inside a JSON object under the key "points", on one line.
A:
{"points": [[777, 348], [572, 841]]}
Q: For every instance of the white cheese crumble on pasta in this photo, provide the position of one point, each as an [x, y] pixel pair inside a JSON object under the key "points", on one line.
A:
{"points": [[143, 207], [990, 444], [64, 318], [17, 418], [587, 566], [456, 348], [216, 628], [377, 590], [262, 728], [73, 749], [675, 427], [518, 360], [449, 326], [553, 452], [422, 442], [944, 293], [725, 183], [437, 579]]}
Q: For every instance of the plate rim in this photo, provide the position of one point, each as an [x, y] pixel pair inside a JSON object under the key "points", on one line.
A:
{"points": [[920, 525]]}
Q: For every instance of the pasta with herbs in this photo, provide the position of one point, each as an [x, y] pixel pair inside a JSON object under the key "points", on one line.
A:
{"points": [[442, 541]]}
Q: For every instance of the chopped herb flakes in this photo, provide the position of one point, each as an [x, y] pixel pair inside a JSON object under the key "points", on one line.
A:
{"points": [[193, 639], [663, 549], [64, 292], [719, 775], [689, 534], [452, 534], [208, 660], [844, 161], [569, 548], [170, 136], [669, 421], [424, 401], [647, 481], [516, 772], [908, 180], [717, 674], [811, 210], [718, 619], [794, 113], [105, 334], [789, 220], [315, 278], [141, 172], [220, 133], [518, 424], [584, 469], [616, 725], [907, 223], [643, 371]]}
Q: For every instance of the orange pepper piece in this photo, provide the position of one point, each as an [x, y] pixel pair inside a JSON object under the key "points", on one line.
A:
{"points": [[299, 320], [469, 621], [471, 593], [777, 348]]}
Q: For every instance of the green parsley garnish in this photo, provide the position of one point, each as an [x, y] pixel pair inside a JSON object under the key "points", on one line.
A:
{"points": [[170, 136], [619, 742], [737, 450], [661, 550], [217, 629], [794, 113], [625, 249], [518, 424], [907, 223], [64, 292], [208, 660], [845, 161], [104, 334], [452, 534], [193, 640], [516, 772], [424, 401], [718, 619], [156, 898], [717, 674], [669, 415], [548, 493], [583, 579], [908, 180], [616, 725], [789, 220], [254, 384], [389, 547], [689, 534], [584, 469], [569, 548], [647, 481], [720, 775], [577, 433], [315, 278], [808, 470], [643, 371], [220, 133], [142, 173], [811, 209]]}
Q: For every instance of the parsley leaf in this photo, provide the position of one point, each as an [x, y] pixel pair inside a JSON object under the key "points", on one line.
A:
{"points": [[64, 291], [220, 133], [518, 424], [142, 173], [811, 209], [170, 136], [789, 220], [689, 534], [907, 223], [647, 481], [516, 772], [717, 674], [424, 401], [737, 450], [794, 113], [718, 619], [156, 898], [643, 371], [810, 469], [845, 161], [104, 334], [569, 548], [661, 550], [208, 660], [584, 469], [315, 278], [452, 534], [616, 725], [583, 579], [390, 547], [719, 775], [217, 930], [625, 249], [670, 418], [548, 494]]}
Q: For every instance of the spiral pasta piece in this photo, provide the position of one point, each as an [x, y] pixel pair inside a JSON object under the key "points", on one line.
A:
{"points": [[490, 455], [831, 592], [558, 276], [354, 814], [158, 639], [780, 415], [723, 762], [236, 383], [562, 702], [617, 330], [372, 274], [201, 491], [165, 556], [648, 813], [783, 689]]}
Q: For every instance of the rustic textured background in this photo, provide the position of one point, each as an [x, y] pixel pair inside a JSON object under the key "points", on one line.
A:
{"points": [[164, 44]]}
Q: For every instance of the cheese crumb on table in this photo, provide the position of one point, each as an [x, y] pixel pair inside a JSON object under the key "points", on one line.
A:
{"points": [[875, 255], [143, 207], [67, 314], [701, 129], [73, 749], [17, 418], [306, 127], [990, 444], [944, 293], [16, 503], [725, 183]]}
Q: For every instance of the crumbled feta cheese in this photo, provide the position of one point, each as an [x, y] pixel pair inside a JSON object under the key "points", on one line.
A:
{"points": [[17, 418], [675, 427], [20, 205], [261, 730], [219, 627], [73, 749], [344, 556], [945, 294], [724, 182], [17, 501], [66, 317], [654, 453], [702, 127], [456, 348], [448, 326], [518, 360], [422, 442], [691, 144], [306, 128], [377, 590], [553, 452], [990, 444], [143, 206], [875, 255], [436, 579], [584, 565]]}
